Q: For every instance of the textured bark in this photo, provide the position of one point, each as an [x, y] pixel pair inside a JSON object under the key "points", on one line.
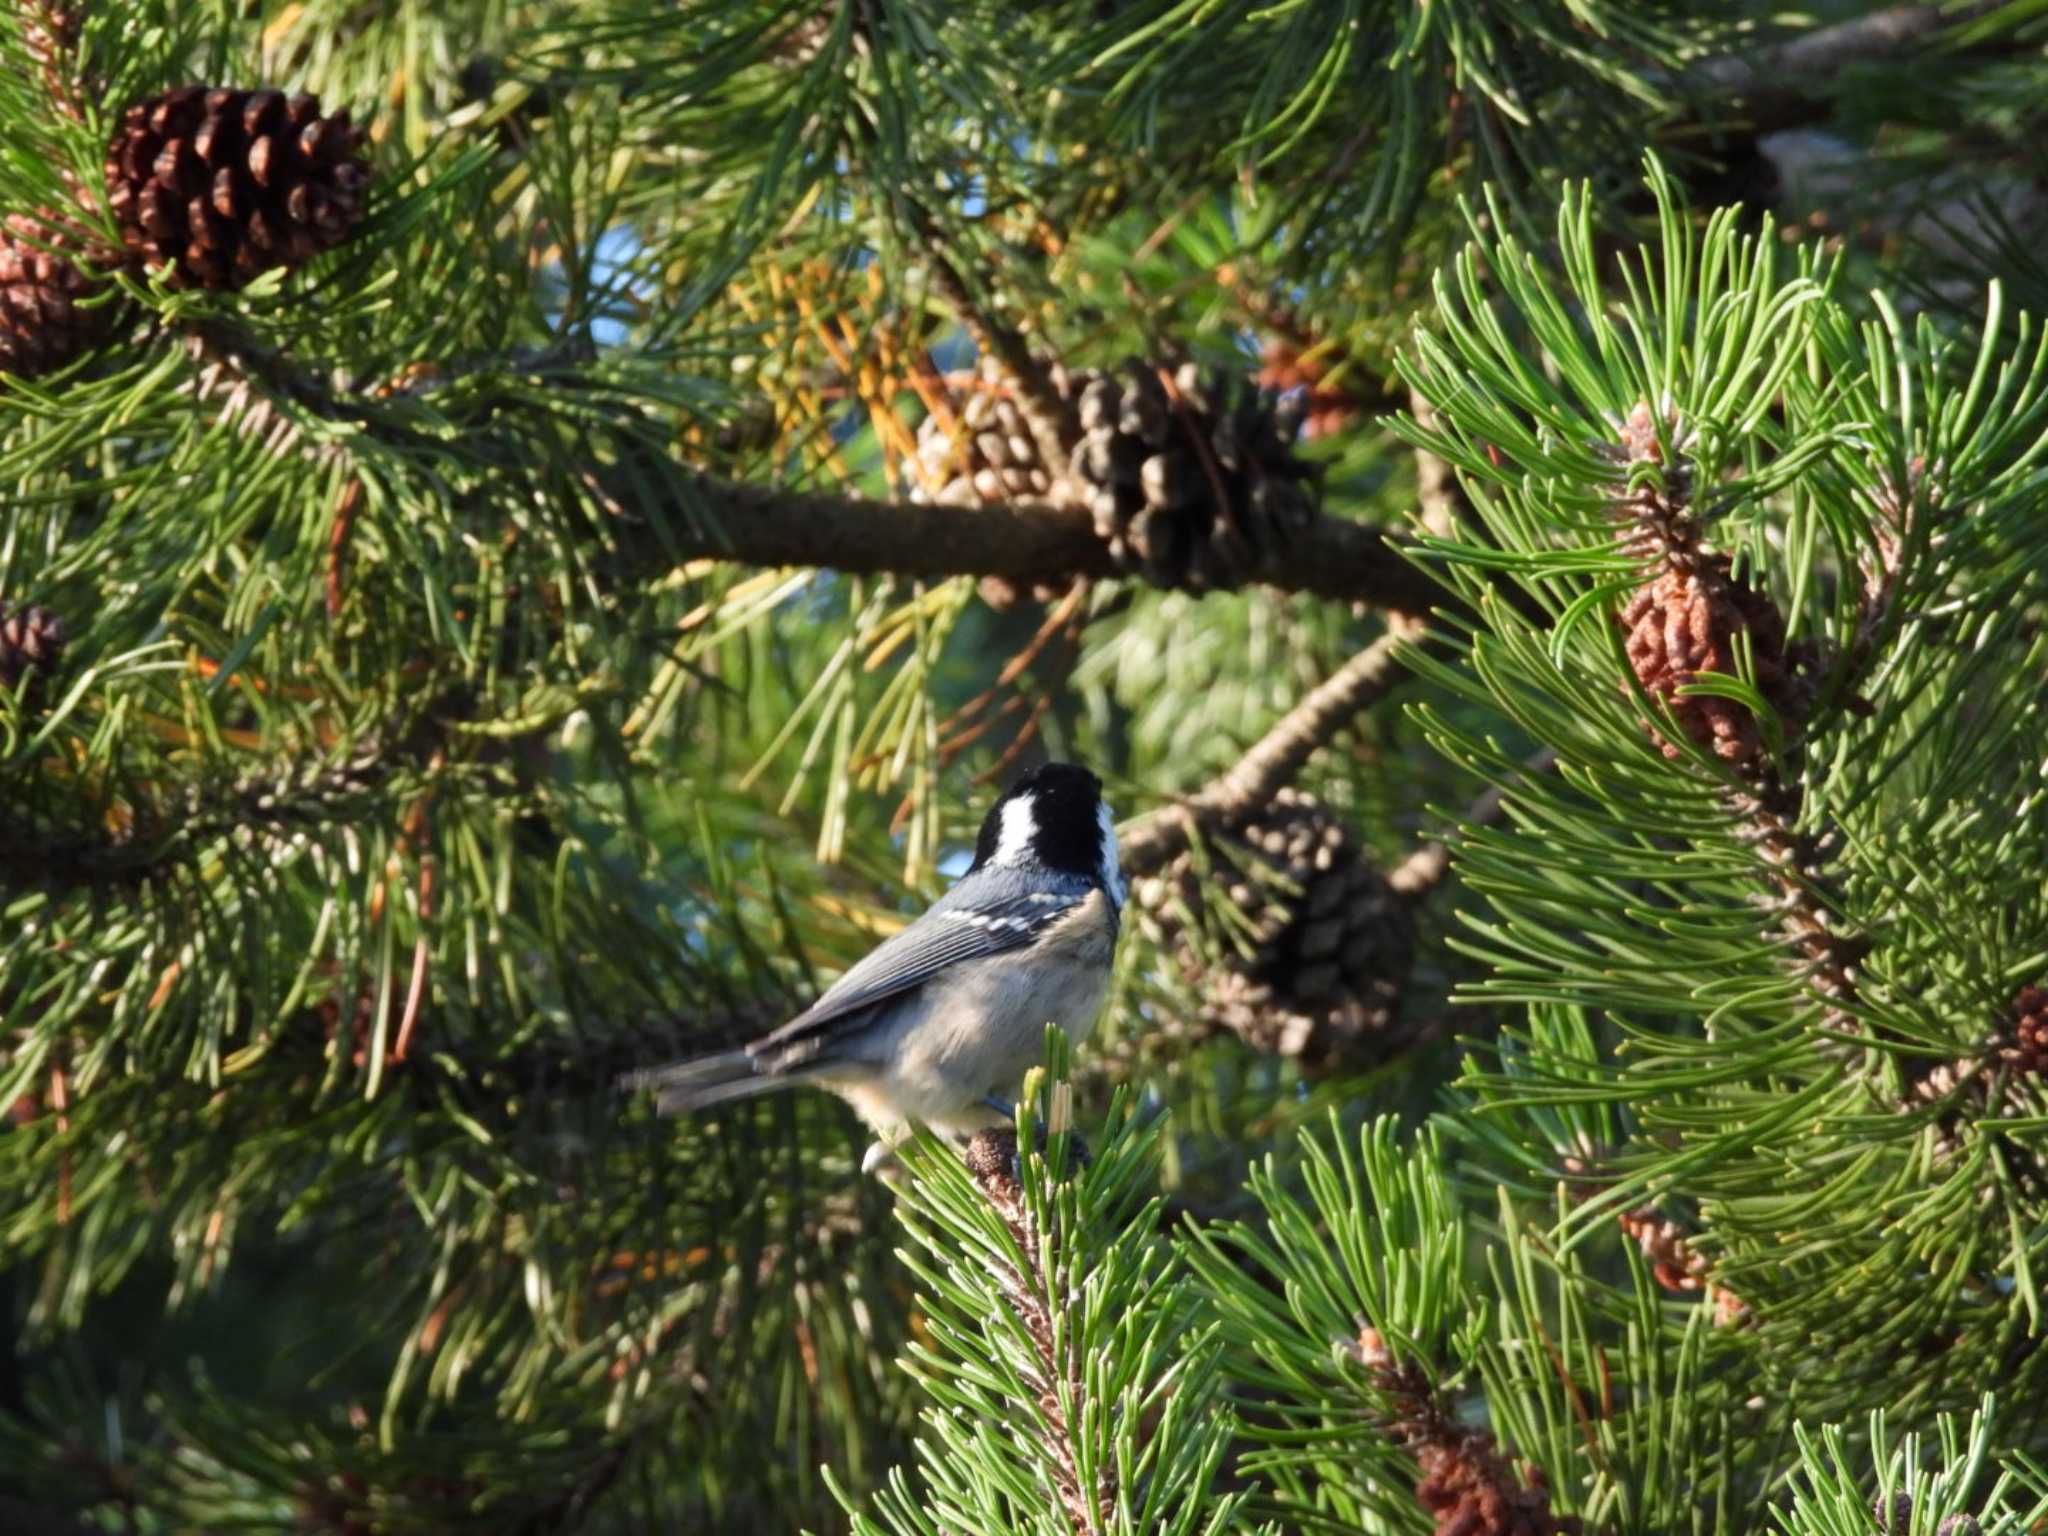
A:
{"points": [[1334, 560]]}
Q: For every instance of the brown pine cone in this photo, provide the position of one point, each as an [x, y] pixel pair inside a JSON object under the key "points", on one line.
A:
{"points": [[1470, 1491], [1195, 484], [983, 453], [49, 35], [1468, 1487], [2005, 1079], [219, 185], [1331, 941], [1685, 621], [29, 637], [42, 326]]}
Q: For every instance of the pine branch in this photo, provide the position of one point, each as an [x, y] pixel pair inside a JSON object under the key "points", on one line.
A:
{"points": [[261, 811], [1684, 621], [697, 515], [1024, 543], [992, 1158], [1276, 758], [1424, 869], [1785, 85], [1073, 1376]]}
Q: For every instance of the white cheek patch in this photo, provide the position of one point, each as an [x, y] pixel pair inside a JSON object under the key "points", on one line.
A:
{"points": [[1016, 843], [1112, 876]]}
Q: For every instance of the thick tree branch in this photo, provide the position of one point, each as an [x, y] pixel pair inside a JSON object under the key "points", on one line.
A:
{"points": [[1335, 560], [1027, 543]]}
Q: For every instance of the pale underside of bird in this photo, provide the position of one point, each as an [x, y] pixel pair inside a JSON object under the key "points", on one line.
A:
{"points": [[938, 1024]]}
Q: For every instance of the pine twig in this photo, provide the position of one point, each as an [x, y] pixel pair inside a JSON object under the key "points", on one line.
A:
{"points": [[1784, 85], [1424, 869], [1041, 408], [49, 31], [992, 1159], [1685, 619], [247, 386], [1277, 757]]}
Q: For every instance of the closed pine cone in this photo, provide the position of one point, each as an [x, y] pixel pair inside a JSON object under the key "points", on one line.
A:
{"points": [[1686, 621], [42, 326], [219, 185], [1328, 958]]}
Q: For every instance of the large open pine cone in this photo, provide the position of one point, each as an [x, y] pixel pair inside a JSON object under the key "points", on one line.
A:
{"points": [[29, 637], [42, 326], [1197, 484], [219, 185], [1328, 957]]}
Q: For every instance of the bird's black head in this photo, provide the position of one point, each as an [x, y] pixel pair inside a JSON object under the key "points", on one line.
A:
{"points": [[1054, 817]]}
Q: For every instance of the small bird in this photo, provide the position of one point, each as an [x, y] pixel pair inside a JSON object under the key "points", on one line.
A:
{"points": [[939, 1023]]}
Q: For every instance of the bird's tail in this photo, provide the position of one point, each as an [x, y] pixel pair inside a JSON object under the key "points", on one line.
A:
{"points": [[706, 1080]]}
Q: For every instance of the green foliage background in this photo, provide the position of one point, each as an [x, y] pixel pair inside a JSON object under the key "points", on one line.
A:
{"points": [[280, 1250]]}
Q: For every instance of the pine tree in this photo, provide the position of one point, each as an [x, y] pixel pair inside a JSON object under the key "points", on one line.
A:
{"points": [[535, 530]]}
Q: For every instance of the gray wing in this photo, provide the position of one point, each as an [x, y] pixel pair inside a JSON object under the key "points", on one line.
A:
{"points": [[945, 936]]}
